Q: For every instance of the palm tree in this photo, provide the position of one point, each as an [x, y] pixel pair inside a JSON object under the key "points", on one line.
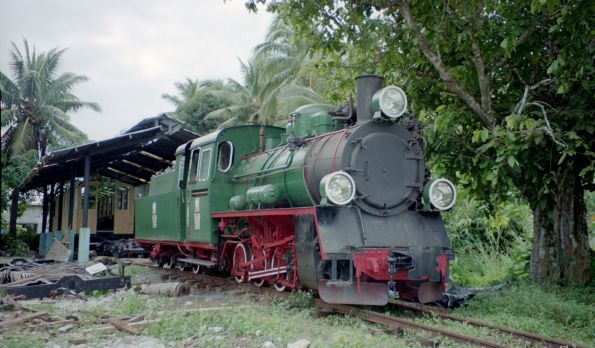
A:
{"points": [[194, 102], [279, 77], [250, 102], [293, 65], [35, 103], [187, 90]]}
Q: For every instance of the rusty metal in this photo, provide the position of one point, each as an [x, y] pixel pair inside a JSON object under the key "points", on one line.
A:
{"points": [[167, 289], [45, 278]]}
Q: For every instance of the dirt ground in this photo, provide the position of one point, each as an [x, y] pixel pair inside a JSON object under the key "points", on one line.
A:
{"points": [[91, 320]]}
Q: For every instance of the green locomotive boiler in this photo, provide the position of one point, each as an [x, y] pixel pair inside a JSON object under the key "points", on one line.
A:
{"points": [[338, 201]]}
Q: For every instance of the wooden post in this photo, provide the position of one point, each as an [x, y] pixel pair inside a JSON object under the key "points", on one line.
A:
{"points": [[71, 201], [60, 205], [14, 207]]}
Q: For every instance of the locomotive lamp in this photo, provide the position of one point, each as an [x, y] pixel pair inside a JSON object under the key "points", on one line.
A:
{"points": [[390, 102], [337, 187], [441, 193]]}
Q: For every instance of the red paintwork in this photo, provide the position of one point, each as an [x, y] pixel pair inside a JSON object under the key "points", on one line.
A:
{"points": [[372, 263], [271, 237], [443, 269]]}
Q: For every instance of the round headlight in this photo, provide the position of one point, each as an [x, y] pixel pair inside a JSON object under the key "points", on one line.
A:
{"points": [[338, 187], [391, 101], [442, 194]]}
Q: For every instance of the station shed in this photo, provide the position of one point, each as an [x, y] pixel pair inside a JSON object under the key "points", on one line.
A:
{"points": [[127, 161]]}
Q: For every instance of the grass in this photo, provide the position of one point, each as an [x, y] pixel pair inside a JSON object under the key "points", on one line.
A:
{"points": [[563, 313], [280, 323], [248, 321], [480, 270]]}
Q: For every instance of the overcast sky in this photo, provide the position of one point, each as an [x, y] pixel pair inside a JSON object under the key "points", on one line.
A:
{"points": [[133, 51]]}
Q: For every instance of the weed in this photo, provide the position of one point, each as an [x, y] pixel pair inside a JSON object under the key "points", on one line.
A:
{"points": [[134, 270], [299, 300], [19, 342], [478, 270], [133, 304], [563, 313]]}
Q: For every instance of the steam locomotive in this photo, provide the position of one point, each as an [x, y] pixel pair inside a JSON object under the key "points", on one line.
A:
{"points": [[338, 201]]}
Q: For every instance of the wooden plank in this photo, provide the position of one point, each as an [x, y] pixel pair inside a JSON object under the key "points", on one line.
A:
{"points": [[111, 328], [122, 326], [22, 319]]}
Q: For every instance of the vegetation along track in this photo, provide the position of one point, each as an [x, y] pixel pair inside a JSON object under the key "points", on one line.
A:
{"points": [[541, 341], [388, 320]]}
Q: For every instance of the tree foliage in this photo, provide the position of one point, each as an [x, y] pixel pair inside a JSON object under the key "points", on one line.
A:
{"points": [[14, 170], [194, 104], [36, 101], [34, 109], [280, 76], [506, 90]]}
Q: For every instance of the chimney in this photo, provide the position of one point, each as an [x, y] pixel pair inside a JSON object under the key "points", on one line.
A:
{"points": [[366, 86]]}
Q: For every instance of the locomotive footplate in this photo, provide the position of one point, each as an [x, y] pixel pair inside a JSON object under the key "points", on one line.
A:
{"points": [[347, 292]]}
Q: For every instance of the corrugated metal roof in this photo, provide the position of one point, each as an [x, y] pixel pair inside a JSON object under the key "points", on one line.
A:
{"points": [[132, 157]]}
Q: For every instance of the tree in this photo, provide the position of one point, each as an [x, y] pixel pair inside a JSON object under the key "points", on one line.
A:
{"points": [[34, 109], [280, 76], [292, 65], [506, 89], [253, 101], [14, 170], [194, 104], [35, 103]]}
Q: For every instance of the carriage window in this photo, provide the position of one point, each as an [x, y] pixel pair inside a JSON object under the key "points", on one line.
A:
{"points": [[122, 198], [225, 156], [193, 166], [203, 169]]}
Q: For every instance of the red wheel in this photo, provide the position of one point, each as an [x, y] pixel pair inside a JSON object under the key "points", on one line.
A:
{"points": [[278, 261], [240, 255], [260, 266]]}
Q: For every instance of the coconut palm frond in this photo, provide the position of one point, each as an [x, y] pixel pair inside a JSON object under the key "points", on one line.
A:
{"points": [[36, 101]]}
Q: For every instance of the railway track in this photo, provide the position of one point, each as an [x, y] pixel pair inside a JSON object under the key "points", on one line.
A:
{"points": [[387, 320], [541, 341], [404, 324]]}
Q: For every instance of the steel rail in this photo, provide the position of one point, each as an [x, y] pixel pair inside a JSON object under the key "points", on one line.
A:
{"points": [[527, 336], [404, 324]]}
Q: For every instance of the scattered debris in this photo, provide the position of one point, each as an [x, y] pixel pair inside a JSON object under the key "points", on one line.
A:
{"points": [[58, 252], [168, 289], [23, 316], [122, 326], [113, 327], [49, 278], [96, 268], [454, 297]]}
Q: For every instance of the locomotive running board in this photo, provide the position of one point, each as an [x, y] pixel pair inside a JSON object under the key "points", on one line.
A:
{"points": [[372, 294]]}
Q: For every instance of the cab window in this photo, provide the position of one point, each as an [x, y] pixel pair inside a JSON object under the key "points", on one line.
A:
{"points": [[205, 164], [193, 166], [181, 173], [225, 155]]}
